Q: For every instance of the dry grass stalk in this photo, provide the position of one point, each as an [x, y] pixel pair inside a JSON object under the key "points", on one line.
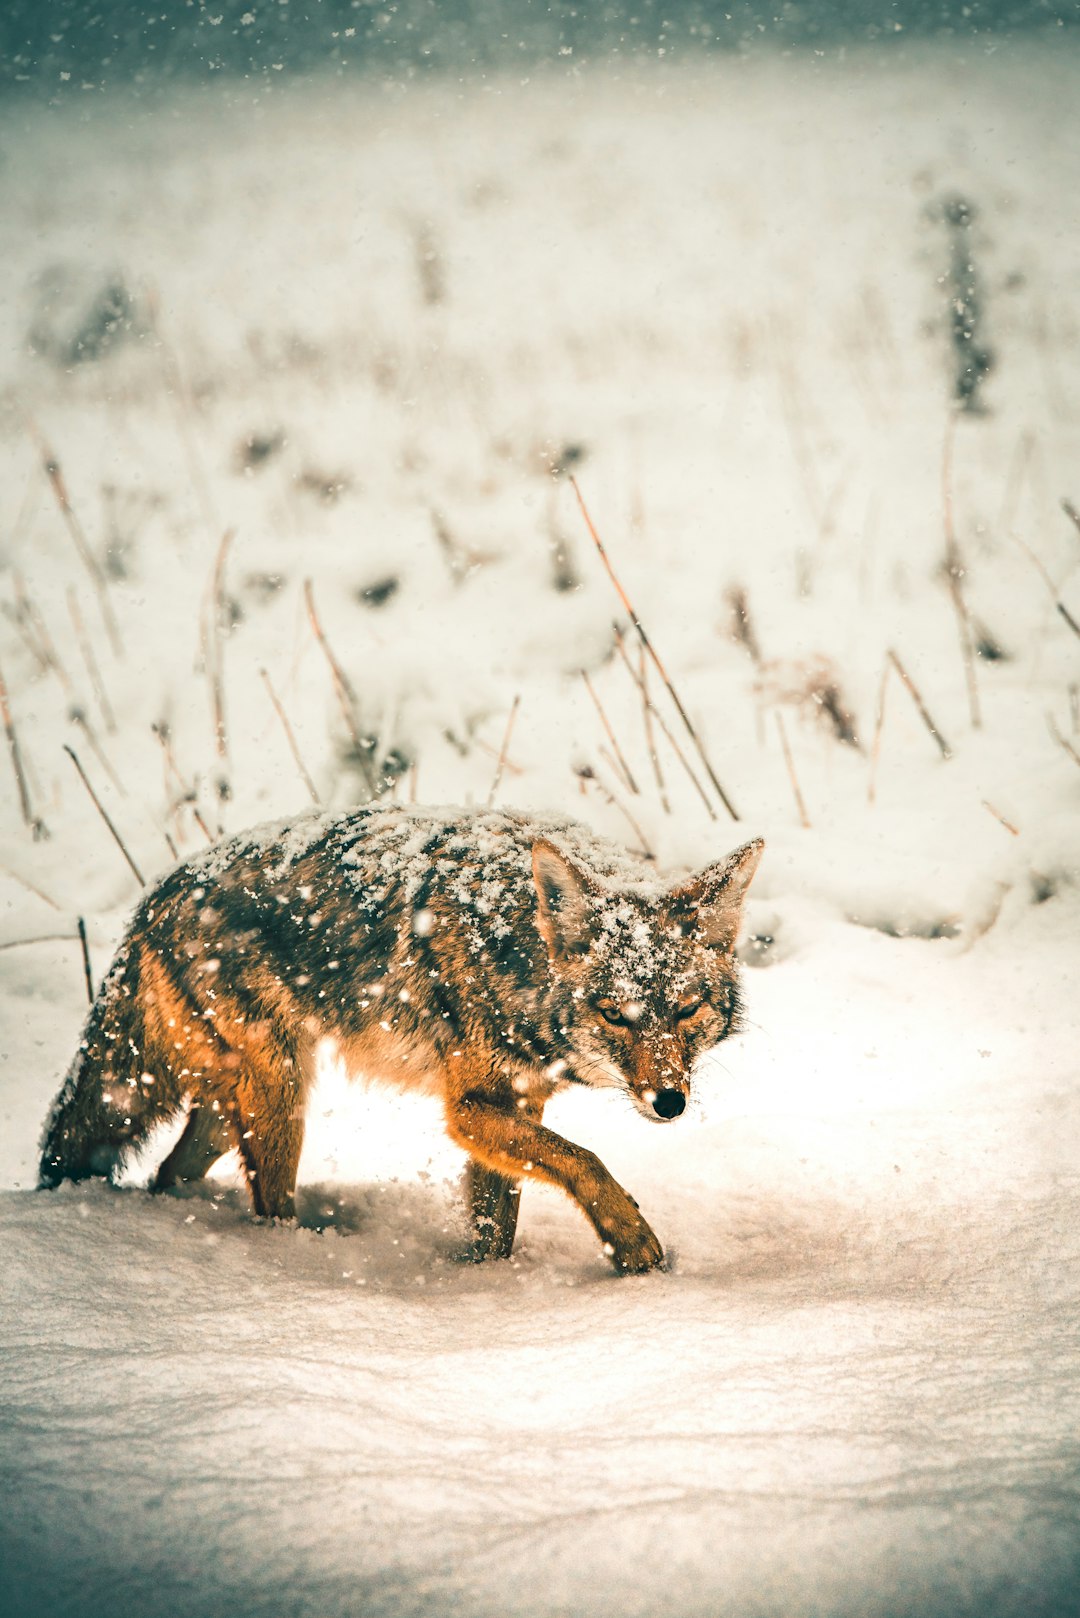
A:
{"points": [[74, 527], [826, 696], [509, 764], [461, 560], [503, 750], [611, 761], [651, 650], [647, 712], [1068, 617], [1014, 479], [214, 635], [78, 717], [650, 712], [742, 627], [28, 509], [179, 397], [990, 916], [1062, 609], [997, 814], [414, 770], [88, 974], [916, 698], [1071, 512], [831, 509], [954, 576], [804, 818], [37, 636], [430, 268], [650, 740], [563, 573], [794, 416], [1062, 741], [623, 766], [345, 695], [41, 938], [1074, 707], [23, 881], [99, 806], [188, 794], [879, 721], [37, 826], [92, 667], [16, 614], [290, 738], [588, 777]]}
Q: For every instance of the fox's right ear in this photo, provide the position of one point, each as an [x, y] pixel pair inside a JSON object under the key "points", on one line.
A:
{"points": [[562, 891], [709, 906]]}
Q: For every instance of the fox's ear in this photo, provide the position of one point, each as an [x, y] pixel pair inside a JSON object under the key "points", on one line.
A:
{"points": [[711, 903], [563, 894]]}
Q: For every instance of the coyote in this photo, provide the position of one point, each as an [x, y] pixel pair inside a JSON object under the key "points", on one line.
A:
{"points": [[490, 958]]}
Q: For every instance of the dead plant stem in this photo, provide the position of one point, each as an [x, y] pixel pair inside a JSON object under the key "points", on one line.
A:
{"points": [[650, 648], [291, 739], [503, 750], [93, 668], [623, 766], [16, 757], [879, 721], [916, 697], [800, 804], [86, 960], [344, 691], [650, 710], [954, 573], [55, 475], [99, 806], [1062, 741]]}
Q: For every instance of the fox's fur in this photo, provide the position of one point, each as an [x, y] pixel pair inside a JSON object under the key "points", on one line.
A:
{"points": [[491, 958]]}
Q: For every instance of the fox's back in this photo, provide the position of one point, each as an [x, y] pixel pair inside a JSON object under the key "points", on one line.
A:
{"points": [[421, 919]]}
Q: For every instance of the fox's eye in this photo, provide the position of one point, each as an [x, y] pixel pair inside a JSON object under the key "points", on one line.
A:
{"points": [[611, 1013], [690, 1009]]}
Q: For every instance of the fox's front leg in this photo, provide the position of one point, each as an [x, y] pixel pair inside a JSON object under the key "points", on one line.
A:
{"points": [[501, 1138], [493, 1200]]}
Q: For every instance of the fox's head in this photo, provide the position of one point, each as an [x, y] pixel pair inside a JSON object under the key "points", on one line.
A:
{"points": [[644, 980]]}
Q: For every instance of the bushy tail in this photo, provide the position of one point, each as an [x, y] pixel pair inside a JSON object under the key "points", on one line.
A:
{"points": [[108, 1102]]}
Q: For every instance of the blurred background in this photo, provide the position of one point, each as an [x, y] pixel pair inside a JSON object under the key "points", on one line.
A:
{"points": [[120, 42]]}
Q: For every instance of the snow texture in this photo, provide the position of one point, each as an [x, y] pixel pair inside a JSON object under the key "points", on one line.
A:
{"points": [[368, 328]]}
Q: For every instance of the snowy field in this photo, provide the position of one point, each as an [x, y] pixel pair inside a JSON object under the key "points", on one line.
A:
{"points": [[366, 330]]}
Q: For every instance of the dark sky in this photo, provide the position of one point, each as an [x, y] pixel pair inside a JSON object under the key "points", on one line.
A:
{"points": [[116, 41]]}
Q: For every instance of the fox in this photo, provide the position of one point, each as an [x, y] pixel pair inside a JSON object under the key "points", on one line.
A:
{"points": [[490, 958]]}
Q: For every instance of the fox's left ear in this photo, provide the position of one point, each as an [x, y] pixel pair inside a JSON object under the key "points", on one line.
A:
{"points": [[563, 892], [711, 903]]}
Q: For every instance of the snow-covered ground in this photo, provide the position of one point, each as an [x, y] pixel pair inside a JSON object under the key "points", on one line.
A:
{"points": [[366, 328]]}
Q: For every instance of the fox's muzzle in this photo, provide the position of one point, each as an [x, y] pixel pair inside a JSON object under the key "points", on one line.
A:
{"points": [[668, 1103]]}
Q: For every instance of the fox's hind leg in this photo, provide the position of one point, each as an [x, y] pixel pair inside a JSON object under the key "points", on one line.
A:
{"points": [[268, 1118], [205, 1138], [118, 1086]]}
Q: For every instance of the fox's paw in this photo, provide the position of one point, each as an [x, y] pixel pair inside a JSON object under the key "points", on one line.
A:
{"points": [[635, 1251]]}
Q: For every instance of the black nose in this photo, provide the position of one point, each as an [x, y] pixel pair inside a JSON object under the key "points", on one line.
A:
{"points": [[669, 1103]]}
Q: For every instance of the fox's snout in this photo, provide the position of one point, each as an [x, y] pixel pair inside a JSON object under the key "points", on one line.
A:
{"points": [[658, 1086], [660, 1102], [658, 1096]]}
